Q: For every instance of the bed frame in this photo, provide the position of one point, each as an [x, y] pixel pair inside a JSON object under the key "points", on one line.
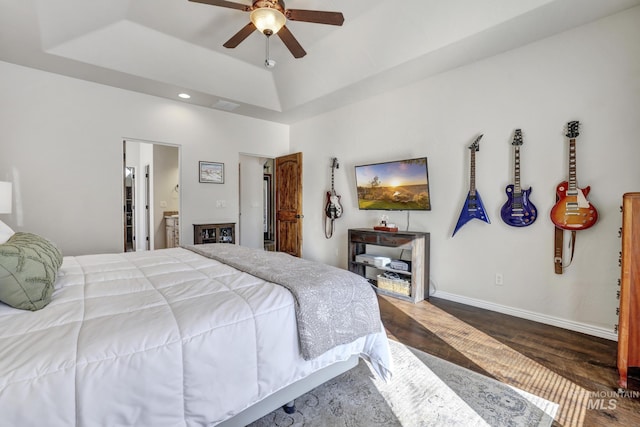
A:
{"points": [[286, 395]]}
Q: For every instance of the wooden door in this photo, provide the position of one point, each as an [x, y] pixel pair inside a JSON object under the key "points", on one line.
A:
{"points": [[289, 204], [628, 329]]}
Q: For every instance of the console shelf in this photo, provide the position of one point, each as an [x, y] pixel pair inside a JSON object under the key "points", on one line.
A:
{"points": [[416, 281]]}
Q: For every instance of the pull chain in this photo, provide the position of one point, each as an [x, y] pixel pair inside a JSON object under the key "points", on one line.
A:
{"points": [[268, 63]]}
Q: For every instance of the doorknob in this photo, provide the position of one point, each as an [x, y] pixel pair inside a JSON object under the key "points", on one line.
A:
{"points": [[299, 216]]}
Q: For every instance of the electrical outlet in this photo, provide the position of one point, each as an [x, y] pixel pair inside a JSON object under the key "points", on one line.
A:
{"points": [[499, 279]]}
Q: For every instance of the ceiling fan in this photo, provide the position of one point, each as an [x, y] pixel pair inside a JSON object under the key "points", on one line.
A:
{"points": [[270, 16]]}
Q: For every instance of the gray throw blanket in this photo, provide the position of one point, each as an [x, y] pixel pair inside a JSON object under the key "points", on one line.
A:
{"points": [[333, 306]]}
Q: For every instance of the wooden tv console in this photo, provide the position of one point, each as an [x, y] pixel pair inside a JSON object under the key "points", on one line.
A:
{"points": [[416, 280]]}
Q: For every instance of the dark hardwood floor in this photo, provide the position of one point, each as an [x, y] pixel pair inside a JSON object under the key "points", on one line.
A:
{"points": [[575, 370]]}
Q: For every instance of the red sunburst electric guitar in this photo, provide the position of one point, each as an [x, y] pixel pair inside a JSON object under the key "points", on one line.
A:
{"points": [[572, 210]]}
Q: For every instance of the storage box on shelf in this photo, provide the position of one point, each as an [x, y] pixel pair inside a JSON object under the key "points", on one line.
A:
{"points": [[394, 284], [410, 283]]}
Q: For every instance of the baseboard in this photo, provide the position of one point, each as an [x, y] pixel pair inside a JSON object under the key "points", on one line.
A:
{"points": [[530, 315]]}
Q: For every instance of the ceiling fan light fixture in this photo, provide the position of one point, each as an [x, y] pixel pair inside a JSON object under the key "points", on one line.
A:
{"points": [[268, 20]]}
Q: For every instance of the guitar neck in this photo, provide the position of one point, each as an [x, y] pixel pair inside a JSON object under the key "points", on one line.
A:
{"points": [[516, 170], [472, 183], [573, 183], [334, 165], [333, 191]]}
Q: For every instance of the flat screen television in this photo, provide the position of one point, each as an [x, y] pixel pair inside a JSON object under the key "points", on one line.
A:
{"points": [[401, 185]]}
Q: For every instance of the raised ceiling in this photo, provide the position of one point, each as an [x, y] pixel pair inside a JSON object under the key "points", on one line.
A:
{"points": [[164, 47]]}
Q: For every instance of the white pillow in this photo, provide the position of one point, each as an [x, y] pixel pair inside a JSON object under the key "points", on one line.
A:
{"points": [[5, 232]]}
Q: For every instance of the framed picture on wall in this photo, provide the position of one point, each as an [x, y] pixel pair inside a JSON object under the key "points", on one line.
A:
{"points": [[212, 172]]}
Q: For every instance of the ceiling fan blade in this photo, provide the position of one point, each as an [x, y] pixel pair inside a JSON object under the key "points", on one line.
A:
{"points": [[291, 43], [315, 16], [240, 36], [223, 3]]}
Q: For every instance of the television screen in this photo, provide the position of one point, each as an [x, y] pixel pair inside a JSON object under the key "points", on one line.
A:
{"points": [[399, 185]]}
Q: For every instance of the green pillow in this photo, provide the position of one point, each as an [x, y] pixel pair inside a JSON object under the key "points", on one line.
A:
{"points": [[28, 267]]}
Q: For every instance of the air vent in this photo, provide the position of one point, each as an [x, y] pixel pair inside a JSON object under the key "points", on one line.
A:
{"points": [[225, 105]]}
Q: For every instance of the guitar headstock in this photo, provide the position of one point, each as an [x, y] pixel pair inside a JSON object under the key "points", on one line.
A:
{"points": [[475, 146], [573, 129], [334, 163], [517, 137]]}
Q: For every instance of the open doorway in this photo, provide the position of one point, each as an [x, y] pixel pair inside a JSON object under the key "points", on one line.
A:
{"points": [[271, 203], [151, 195], [256, 187], [129, 209], [268, 215]]}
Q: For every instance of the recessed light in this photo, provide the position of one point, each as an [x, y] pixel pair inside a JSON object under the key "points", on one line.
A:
{"points": [[184, 95]]}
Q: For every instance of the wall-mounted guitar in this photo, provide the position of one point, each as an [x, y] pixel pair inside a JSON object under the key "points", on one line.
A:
{"points": [[518, 211], [333, 209], [473, 207], [572, 210]]}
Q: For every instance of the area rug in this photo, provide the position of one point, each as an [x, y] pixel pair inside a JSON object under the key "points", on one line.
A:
{"points": [[424, 391]]}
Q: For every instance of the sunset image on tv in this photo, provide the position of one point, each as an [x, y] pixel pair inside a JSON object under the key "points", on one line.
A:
{"points": [[399, 185]]}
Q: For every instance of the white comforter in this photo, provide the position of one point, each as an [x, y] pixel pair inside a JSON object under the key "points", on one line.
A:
{"points": [[162, 338]]}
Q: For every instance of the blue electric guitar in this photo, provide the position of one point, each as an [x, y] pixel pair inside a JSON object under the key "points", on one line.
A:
{"points": [[518, 211], [473, 207]]}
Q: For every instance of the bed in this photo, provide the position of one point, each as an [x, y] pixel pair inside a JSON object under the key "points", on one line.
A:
{"points": [[174, 337]]}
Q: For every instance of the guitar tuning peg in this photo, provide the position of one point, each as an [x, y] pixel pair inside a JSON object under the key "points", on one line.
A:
{"points": [[618, 295], [617, 311], [620, 232], [615, 328]]}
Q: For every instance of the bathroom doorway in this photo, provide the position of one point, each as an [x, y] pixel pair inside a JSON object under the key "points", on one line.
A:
{"points": [[151, 195]]}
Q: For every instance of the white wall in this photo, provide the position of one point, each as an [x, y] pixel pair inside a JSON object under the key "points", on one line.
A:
{"points": [[591, 74], [61, 146]]}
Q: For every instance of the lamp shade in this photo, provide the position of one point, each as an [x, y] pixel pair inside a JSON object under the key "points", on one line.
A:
{"points": [[268, 20], [5, 197]]}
